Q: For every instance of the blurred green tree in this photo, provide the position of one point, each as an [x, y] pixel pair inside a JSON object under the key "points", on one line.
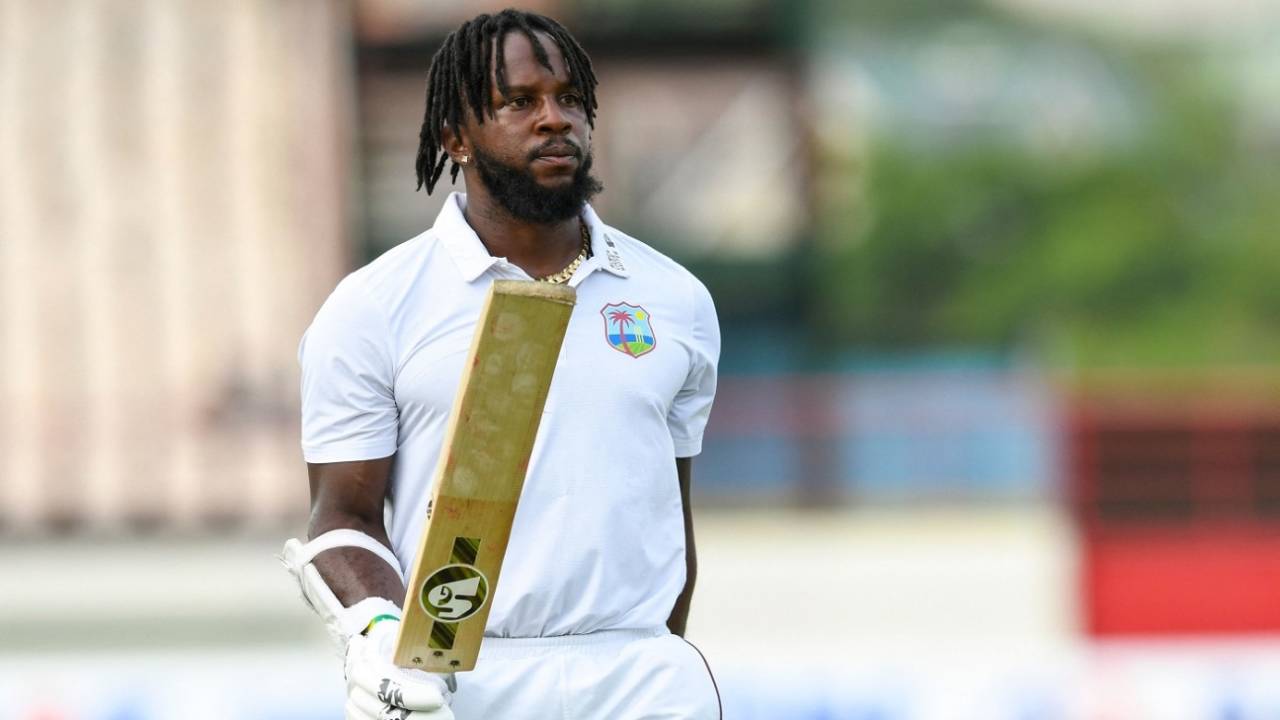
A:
{"points": [[1158, 251]]}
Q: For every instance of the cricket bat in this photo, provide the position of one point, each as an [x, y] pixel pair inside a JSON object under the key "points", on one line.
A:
{"points": [[481, 472]]}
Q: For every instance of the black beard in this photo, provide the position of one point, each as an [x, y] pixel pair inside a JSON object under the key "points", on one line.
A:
{"points": [[518, 192]]}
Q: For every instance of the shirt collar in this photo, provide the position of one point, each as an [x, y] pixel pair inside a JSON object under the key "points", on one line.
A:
{"points": [[473, 259], [464, 246], [605, 253]]}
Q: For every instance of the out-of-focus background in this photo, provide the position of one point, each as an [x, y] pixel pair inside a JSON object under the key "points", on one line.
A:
{"points": [[998, 433]]}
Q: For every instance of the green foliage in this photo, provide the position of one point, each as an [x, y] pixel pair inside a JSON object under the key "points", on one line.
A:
{"points": [[1161, 250]]}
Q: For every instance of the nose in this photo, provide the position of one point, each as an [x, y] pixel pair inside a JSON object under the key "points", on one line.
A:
{"points": [[553, 119]]}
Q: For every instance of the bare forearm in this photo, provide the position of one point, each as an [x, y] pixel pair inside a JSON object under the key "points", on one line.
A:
{"points": [[351, 495], [352, 573]]}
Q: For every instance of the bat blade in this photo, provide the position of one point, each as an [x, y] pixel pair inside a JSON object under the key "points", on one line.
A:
{"points": [[481, 472]]}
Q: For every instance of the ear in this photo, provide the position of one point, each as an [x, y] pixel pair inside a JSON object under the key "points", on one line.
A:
{"points": [[457, 145]]}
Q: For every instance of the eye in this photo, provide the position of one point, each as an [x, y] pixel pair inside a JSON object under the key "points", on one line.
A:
{"points": [[519, 102], [571, 99]]}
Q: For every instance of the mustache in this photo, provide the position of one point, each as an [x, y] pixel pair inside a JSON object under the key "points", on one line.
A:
{"points": [[555, 146]]}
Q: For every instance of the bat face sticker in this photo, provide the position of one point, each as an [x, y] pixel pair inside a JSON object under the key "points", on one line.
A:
{"points": [[454, 593]]}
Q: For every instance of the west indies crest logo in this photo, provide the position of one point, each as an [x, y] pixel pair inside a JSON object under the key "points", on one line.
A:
{"points": [[628, 328]]}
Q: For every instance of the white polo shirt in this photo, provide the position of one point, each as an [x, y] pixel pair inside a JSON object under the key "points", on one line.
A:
{"points": [[598, 540]]}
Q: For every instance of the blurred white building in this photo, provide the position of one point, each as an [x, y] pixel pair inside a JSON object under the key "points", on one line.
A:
{"points": [[173, 208]]}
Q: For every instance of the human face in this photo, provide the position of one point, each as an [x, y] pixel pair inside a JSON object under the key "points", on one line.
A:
{"points": [[540, 126]]}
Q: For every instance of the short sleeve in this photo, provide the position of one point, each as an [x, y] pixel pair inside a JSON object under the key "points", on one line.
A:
{"points": [[348, 403], [687, 418]]}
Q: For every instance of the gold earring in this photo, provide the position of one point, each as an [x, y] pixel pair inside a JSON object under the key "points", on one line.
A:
{"points": [[464, 159]]}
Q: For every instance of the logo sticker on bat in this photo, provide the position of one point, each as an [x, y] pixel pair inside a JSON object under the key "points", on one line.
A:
{"points": [[454, 593]]}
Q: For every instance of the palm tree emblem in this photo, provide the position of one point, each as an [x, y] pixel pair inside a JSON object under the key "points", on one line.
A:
{"points": [[634, 328], [623, 319]]}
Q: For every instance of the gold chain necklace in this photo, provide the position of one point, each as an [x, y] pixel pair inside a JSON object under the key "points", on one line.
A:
{"points": [[563, 276]]}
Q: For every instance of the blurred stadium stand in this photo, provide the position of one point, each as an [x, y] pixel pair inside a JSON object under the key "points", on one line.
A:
{"points": [[883, 437]]}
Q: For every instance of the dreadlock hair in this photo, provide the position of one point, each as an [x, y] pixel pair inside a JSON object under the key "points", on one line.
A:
{"points": [[462, 70]]}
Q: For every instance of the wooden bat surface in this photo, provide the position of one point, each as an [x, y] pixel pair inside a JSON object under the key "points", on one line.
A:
{"points": [[481, 472]]}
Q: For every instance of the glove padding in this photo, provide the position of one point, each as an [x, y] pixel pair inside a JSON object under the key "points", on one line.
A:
{"points": [[377, 689]]}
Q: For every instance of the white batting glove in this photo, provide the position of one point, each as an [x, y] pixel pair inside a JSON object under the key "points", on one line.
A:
{"points": [[377, 689]]}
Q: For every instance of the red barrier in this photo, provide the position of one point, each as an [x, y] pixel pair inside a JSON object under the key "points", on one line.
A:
{"points": [[1203, 581], [1178, 506]]}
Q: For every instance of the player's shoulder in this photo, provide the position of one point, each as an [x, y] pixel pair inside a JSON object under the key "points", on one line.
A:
{"points": [[371, 301], [393, 266], [391, 276], [637, 255], [649, 265]]}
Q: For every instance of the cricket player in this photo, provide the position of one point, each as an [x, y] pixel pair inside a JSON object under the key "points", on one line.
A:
{"points": [[588, 618]]}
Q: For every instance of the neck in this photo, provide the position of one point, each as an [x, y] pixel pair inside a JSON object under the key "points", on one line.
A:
{"points": [[538, 249]]}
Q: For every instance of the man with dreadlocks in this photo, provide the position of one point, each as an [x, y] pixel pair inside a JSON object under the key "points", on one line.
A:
{"points": [[599, 571]]}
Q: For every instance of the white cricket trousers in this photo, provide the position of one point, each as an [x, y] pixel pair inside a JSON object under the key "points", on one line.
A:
{"points": [[607, 675]]}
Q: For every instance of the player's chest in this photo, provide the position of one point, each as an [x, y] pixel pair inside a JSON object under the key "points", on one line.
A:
{"points": [[620, 353]]}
